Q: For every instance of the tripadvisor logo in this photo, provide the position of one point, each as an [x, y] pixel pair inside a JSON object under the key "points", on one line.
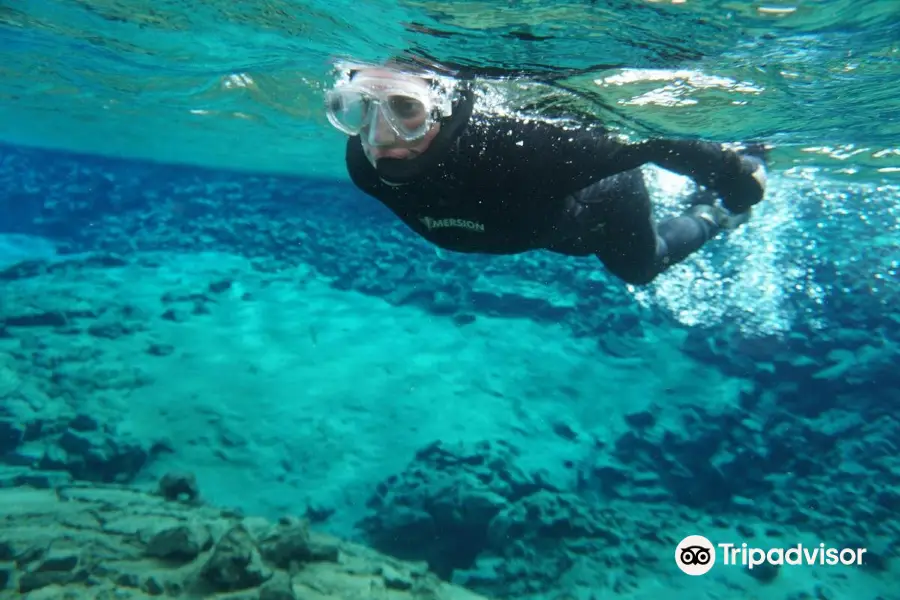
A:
{"points": [[696, 555]]}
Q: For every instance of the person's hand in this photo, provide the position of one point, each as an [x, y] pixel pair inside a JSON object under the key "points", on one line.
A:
{"points": [[744, 186]]}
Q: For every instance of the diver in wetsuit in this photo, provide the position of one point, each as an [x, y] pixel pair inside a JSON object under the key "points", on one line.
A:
{"points": [[469, 182]]}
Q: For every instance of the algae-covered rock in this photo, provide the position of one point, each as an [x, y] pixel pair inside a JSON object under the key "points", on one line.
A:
{"points": [[235, 563], [111, 542]]}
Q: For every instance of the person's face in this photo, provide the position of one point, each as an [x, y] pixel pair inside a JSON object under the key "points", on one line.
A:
{"points": [[379, 140]]}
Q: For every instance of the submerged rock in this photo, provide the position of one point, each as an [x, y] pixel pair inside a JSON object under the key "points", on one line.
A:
{"points": [[478, 519], [440, 508], [179, 486], [236, 563], [183, 541], [107, 541], [95, 456]]}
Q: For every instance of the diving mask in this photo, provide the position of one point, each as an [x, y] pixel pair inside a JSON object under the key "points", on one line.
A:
{"points": [[410, 105]]}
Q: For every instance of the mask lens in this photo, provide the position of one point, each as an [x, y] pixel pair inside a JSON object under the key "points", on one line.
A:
{"points": [[348, 111], [407, 108], [408, 115]]}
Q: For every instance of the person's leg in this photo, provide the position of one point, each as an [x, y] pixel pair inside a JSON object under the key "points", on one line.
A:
{"points": [[627, 245], [625, 238], [683, 235]]}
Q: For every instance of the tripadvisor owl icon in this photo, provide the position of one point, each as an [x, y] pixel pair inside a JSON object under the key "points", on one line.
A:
{"points": [[695, 555]]}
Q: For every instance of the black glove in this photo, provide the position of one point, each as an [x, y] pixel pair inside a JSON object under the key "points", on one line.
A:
{"points": [[744, 185]]}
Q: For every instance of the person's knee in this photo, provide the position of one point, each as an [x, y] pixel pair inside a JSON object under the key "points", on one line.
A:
{"points": [[633, 273], [639, 278]]}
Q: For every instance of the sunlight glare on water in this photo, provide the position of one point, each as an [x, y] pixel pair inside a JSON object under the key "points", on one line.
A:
{"points": [[750, 284]]}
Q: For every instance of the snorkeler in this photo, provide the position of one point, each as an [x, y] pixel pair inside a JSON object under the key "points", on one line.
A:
{"points": [[480, 183]]}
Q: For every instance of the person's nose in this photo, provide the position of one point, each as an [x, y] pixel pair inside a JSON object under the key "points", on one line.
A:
{"points": [[380, 132]]}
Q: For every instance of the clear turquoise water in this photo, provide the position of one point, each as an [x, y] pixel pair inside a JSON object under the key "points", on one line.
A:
{"points": [[776, 345]]}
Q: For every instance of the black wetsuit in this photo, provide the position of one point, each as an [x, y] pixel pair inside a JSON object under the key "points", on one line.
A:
{"points": [[496, 185]]}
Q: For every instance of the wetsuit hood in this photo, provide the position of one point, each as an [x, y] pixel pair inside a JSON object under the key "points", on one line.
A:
{"points": [[404, 170]]}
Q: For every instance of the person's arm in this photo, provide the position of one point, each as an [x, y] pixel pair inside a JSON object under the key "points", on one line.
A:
{"points": [[573, 159], [737, 179]]}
